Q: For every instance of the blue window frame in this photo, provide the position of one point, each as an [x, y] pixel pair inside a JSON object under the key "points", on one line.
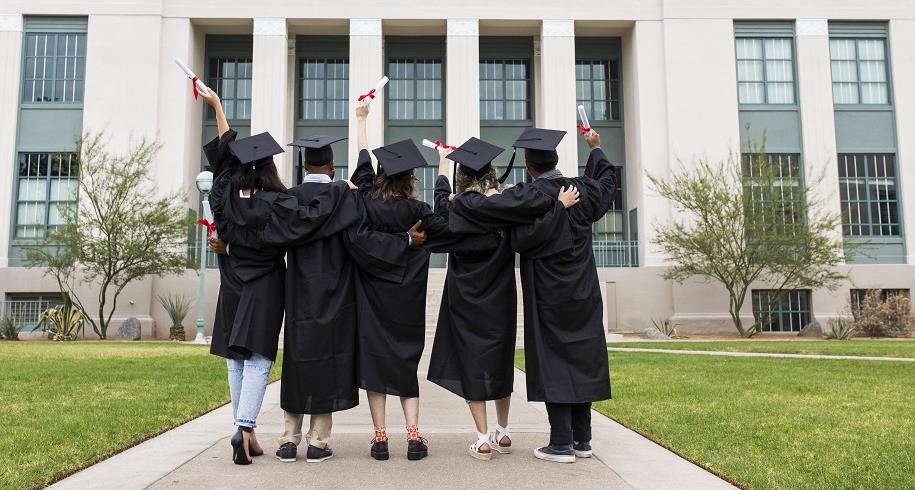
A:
{"points": [[859, 71], [868, 193], [505, 90], [781, 311], [54, 68], [323, 93], [765, 70], [46, 192]]}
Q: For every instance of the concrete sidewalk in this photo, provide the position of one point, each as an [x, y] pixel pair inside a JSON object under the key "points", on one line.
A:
{"points": [[198, 455]]}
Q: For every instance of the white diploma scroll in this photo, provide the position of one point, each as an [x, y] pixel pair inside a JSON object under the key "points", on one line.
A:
{"points": [[187, 71], [208, 215], [584, 118], [371, 94], [429, 144]]}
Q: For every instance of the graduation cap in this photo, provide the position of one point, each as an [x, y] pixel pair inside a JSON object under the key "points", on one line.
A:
{"points": [[539, 147], [317, 149], [475, 155], [399, 157], [255, 148]]}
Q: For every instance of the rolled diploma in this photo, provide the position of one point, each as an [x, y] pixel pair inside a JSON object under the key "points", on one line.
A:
{"points": [[208, 215], [429, 144], [584, 117], [380, 85], [187, 71]]}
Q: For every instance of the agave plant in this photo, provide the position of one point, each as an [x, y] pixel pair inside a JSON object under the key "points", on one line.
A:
{"points": [[63, 321], [667, 327], [177, 306], [842, 329], [9, 330]]}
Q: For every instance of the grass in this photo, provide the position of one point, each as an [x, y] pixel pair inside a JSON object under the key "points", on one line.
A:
{"points": [[68, 405], [773, 423], [859, 347]]}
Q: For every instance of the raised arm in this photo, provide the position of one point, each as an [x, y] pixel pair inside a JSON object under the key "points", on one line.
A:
{"points": [[212, 98], [600, 170]]}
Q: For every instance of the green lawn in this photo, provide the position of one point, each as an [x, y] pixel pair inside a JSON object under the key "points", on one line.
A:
{"points": [[67, 405], [773, 423], [858, 347]]}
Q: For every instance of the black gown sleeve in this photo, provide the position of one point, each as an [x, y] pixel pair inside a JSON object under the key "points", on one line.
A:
{"points": [[549, 234], [364, 175], [223, 165], [518, 205], [448, 241], [383, 255], [600, 171]]}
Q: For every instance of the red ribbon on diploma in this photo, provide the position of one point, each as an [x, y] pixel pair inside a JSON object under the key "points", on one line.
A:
{"points": [[194, 86], [583, 129], [211, 227], [439, 144], [370, 94]]}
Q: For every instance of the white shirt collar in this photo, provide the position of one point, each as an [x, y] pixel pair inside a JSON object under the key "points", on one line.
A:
{"points": [[317, 178]]}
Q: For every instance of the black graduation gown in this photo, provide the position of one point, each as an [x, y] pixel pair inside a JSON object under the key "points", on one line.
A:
{"points": [[565, 345], [255, 268], [319, 348], [391, 315], [474, 348]]}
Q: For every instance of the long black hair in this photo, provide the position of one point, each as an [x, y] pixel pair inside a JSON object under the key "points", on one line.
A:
{"points": [[262, 177], [387, 187]]}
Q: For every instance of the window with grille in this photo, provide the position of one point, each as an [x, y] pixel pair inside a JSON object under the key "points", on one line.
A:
{"points": [[415, 89], [783, 171], [781, 311], [765, 71], [859, 71], [857, 296], [597, 87], [47, 190], [505, 90], [323, 89], [610, 227], [867, 189], [231, 78], [55, 67]]}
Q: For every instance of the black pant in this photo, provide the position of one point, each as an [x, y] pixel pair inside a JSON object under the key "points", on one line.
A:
{"points": [[569, 422]]}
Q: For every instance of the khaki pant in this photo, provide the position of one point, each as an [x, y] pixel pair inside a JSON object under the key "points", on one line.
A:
{"points": [[318, 431]]}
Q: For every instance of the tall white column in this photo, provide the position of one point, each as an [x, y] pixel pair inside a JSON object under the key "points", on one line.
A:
{"points": [[269, 105], [462, 84], [645, 94], [10, 58], [557, 87], [366, 67], [817, 113], [901, 40]]}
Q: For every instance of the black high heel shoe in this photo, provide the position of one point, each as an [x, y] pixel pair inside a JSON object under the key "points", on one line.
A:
{"points": [[239, 453]]}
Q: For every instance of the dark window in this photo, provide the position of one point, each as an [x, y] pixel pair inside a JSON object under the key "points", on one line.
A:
{"points": [[597, 87], [785, 311], [47, 187], [505, 90], [858, 295], [231, 77], [323, 89], [867, 188], [55, 67], [415, 89]]}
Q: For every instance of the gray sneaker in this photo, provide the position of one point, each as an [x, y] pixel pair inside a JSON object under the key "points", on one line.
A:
{"points": [[556, 454], [582, 449]]}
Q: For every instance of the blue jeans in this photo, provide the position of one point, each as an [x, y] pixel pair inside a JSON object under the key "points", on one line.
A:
{"points": [[247, 384]]}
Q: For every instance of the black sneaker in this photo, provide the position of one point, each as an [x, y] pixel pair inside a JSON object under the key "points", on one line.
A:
{"points": [[582, 449], [286, 453], [380, 450], [417, 449], [556, 454], [317, 454]]}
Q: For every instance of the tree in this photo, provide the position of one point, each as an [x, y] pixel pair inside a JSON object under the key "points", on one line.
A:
{"points": [[750, 223], [121, 230]]}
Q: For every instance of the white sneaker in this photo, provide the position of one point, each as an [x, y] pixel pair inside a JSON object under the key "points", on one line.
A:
{"points": [[547, 453]]}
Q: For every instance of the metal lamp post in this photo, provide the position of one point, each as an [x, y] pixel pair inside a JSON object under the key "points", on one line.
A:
{"points": [[204, 184]]}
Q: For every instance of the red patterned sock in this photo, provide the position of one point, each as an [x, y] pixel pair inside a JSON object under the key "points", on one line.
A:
{"points": [[413, 433], [381, 435]]}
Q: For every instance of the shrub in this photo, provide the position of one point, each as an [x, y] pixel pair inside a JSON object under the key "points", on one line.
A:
{"points": [[8, 328], [883, 317], [63, 321], [177, 306], [841, 329]]}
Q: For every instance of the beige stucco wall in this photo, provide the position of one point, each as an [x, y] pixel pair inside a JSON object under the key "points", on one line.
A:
{"points": [[680, 103]]}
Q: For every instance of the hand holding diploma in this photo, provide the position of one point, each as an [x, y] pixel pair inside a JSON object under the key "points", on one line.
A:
{"points": [[437, 144], [584, 126], [208, 221], [198, 86], [372, 93]]}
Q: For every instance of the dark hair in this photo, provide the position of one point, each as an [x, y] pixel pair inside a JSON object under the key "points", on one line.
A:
{"points": [[263, 176], [387, 187], [467, 181]]}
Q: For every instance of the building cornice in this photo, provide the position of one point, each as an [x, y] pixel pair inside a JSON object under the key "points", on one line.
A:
{"points": [[811, 27], [464, 27], [10, 23], [269, 26], [558, 28], [365, 27]]}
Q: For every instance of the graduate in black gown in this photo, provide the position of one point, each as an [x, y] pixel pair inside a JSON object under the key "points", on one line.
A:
{"points": [[391, 315], [565, 345], [474, 347], [249, 314]]}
